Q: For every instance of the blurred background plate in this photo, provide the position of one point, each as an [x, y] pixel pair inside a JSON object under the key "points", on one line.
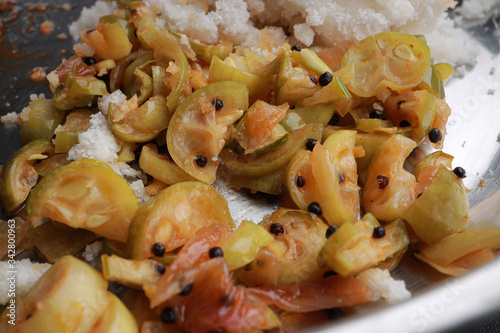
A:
{"points": [[467, 304]]}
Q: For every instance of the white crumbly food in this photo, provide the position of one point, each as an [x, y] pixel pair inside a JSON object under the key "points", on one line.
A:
{"points": [[27, 274], [479, 9], [92, 251], [319, 22], [89, 17], [384, 286], [11, 118], [117, 97], [98, 142]]}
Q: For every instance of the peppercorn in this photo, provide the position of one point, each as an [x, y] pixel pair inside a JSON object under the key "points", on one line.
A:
{"points": [[168, 315], [276, 229], [334, 313], [331, 230], [378, 232], [218, 104], [158, 249], [376, 114], [329, 273], [435, 135], [187, 290], [459, 172], [89, 61], [383, 181], [300, 181], [296, 48], [325, 79], [310, 143], [314, 208], [161, 269], [404, 123], [215, 252], [334, 120], [201, 161], [341, 178]]}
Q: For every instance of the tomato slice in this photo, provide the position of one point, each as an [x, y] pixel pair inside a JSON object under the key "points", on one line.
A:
{"points": [[173, 216], [334, 169], [197, 130], [333, 291], [216, 304], [183, 269], [390, 189], [298, 248], [388, 59], [85, 194]]}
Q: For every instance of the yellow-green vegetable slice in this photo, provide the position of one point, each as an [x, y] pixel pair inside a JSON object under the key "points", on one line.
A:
{"points": [[441, 210], [197, 131], [132, 273], [85, 194], [173, 216], [19, 176], [42, 120], [242, 245]]}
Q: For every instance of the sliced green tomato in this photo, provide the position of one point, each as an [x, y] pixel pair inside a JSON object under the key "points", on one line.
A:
{"points": [[370, 142], [19, 176], [292, 83], [161, 167], [70, 296], [116, 318], [432, 83], [173, 216], [109, 40], [300, 166], [309, 59], [441, 210], [142, 86], [43, 119], [463, 264], [368, 251], [132, 273], [388, 59], [334, 92], [247, 166], [222, 71], [129, 28], [349, 234], [298, 247], [131, 123], [259, 131], [85, 85], [456, 246], [388, 202], [242, 245], [416, 107], [85, 194], [54, 242], [270, 184], [167, 50], [436, 158], [126, 153], [135, 73], [334, 169], [207, 52], [444, 71], [197, 129], [292, 121], [375, 125], [66, 99], [67, 135], [321, 114]]}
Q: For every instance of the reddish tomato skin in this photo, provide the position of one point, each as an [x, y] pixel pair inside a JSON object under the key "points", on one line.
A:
{"points": [[333, 291]]}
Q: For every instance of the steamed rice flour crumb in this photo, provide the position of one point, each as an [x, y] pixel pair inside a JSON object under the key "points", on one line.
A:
{"points": [[318, 22], [384, 286], [89, 17]]}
